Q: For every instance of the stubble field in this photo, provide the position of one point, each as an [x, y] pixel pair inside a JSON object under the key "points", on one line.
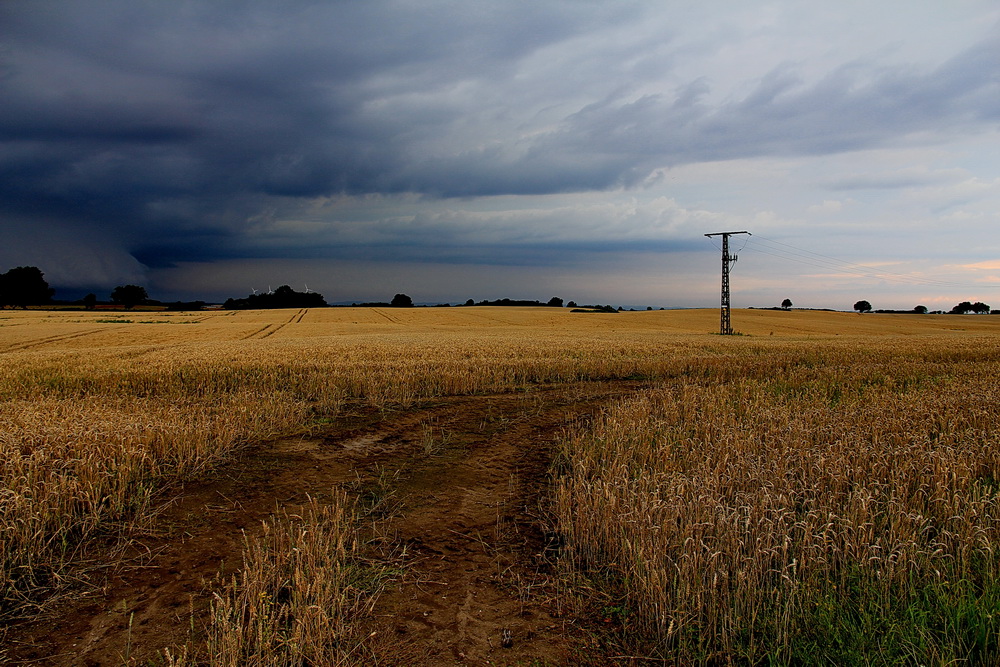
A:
{"points": [[498, 486]]}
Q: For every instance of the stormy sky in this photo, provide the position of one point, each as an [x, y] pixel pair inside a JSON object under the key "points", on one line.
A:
{"points": [[455, 150]]}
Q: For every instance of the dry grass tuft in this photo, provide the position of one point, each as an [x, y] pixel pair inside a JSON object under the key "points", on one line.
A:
{"points": [[298, 599]]}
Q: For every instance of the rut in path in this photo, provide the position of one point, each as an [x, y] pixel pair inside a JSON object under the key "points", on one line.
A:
{"points": [[468, 475]]}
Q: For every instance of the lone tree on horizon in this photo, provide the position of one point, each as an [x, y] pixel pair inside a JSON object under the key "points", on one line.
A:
{"points": [[401, 301], [862, 306], [129, 296], [786, 304]]}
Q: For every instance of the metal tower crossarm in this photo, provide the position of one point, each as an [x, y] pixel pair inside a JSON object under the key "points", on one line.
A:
{"points": [[725, 326]]}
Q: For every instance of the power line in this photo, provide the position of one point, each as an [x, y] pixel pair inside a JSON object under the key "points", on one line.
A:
{"points": [[818, 260]]}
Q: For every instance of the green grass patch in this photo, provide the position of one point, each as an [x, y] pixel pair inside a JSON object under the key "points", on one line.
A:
{"points": [[940, 622]]}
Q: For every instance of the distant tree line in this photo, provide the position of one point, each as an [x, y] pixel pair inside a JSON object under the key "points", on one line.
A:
{"points": [[398, 301], [598, 309], [25, 286], [130, 296], [963, 308], [979, 308], [554, 302], [283, 297]]}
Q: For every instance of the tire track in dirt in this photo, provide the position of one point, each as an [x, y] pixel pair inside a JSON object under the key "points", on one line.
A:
{"points": [[281, 326], [273, 331], [390, 318], [469, 476], [51, 339], [478, 577], [257, 333]]}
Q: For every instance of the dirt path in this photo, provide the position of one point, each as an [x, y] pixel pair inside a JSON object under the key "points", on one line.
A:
{"points": [[460, 482]]}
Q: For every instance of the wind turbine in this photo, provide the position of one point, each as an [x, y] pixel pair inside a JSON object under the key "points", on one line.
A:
{"points": [[254, 291], [307, 288]]}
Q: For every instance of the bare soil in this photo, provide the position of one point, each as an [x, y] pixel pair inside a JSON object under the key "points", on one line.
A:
{"points": [[459, 486]]}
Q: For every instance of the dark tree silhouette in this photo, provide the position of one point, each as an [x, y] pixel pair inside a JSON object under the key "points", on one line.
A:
{"points": [[571, 304], [129, 296], [595, 309], [980, 308], [179, 306], [786, 304], [862, 306], [90, 301], [963, 308], [401, 301], [283, 297], [470, 302], [24, 286], [555, 302], [920, 310]]}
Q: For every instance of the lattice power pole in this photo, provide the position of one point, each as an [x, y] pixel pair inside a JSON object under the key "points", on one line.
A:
{"points": [[725, 328]]}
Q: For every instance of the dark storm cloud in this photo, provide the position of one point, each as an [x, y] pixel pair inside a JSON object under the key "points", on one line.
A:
{"points": [[174, 123], [167, 119], [128, 102]]}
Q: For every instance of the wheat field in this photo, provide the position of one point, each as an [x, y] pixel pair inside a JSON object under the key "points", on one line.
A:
{"points": [[100, 410], [819, 462], [836, 508]]}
